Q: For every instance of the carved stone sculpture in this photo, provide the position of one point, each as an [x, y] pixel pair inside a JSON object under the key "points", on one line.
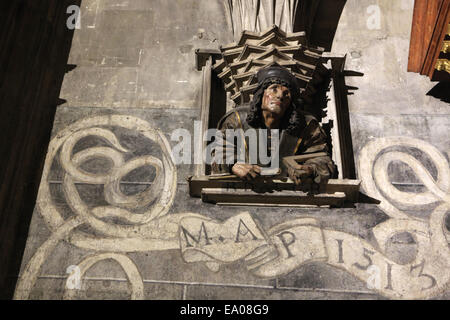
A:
{"points": [[258, 15]]}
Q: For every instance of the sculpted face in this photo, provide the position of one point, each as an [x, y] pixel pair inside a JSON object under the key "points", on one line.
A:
{"points": [[276, 100]]}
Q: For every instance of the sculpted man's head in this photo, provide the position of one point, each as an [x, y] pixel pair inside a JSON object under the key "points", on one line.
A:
{"points": [[273, 102]]}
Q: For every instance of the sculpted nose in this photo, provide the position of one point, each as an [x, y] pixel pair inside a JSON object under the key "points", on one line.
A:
{"points": [[279, 94]]}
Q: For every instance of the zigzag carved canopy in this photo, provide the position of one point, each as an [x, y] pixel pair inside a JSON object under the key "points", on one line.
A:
{"points": [[241, 61]]}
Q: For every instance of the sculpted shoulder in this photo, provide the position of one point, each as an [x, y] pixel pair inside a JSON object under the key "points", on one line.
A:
{"points": [[231, 120]]}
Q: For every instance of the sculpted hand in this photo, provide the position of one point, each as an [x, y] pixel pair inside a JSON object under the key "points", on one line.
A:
{"points": [[302, 174], [246, 171]]}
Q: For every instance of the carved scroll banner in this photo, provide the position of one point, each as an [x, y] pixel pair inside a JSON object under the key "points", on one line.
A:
{"points": [[142, 222]]}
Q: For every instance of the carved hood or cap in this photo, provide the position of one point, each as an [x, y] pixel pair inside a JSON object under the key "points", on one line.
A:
{"points": [[278, 72]]}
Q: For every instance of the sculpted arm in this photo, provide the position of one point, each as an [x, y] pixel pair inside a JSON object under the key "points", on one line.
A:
{"points": [[317, 170]]}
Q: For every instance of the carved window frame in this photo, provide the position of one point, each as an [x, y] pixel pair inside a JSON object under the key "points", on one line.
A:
{"points": [[337, 121]]}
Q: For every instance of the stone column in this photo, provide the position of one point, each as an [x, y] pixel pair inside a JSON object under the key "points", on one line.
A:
{"points": [[258, 15]]}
